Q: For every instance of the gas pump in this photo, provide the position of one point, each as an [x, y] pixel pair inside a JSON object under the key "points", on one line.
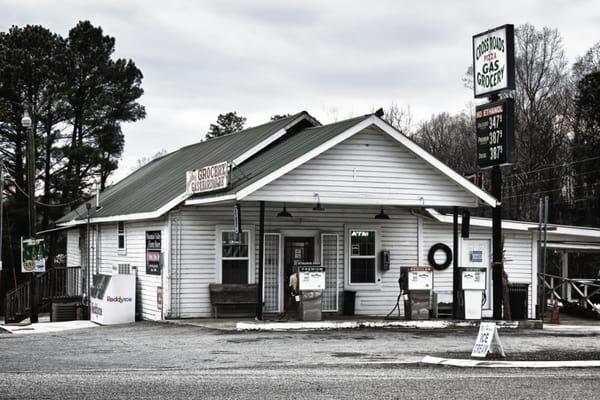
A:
{"points": [[473, 285], [417, 283], [311, 284]]}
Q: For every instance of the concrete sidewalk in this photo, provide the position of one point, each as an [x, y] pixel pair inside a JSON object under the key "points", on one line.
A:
{"points": [[249, 324], [377, 323], [47, 327]]}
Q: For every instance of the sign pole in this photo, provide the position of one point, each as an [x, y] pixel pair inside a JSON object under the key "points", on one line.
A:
{"points": [[497, 242], [494, 73]]}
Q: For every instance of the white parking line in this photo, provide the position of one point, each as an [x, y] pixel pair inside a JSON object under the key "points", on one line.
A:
{"points": [[510, 364]]}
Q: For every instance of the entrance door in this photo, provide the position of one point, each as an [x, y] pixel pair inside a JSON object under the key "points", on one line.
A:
{"points": [[296, 250], [476, 254]]}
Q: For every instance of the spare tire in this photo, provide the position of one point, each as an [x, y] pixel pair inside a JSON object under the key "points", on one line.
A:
{"points": [[431, 256]]}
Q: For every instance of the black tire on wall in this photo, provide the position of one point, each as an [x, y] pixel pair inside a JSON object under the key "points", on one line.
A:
{"points": [[431, 256]]}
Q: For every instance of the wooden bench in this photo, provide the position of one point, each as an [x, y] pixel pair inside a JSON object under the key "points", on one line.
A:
{"points": [[238, 300]]}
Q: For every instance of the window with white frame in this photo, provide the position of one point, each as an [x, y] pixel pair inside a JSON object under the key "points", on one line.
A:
{"points": [[362, 256], [121, 242], [235, 257]]}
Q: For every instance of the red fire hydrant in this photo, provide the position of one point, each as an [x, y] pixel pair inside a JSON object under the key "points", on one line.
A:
{"points": [[555, 316]]}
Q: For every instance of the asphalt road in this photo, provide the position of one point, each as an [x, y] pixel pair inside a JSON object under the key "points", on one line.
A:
{"points": [[148, 360]]}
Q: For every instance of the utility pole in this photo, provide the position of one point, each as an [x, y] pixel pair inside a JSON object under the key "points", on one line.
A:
{"points": [[498, 265], [88, 274], [1, 213], [29, 125]]}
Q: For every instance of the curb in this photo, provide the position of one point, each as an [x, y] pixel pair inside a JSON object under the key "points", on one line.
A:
{"points": [[333, 325], [509, 364]]}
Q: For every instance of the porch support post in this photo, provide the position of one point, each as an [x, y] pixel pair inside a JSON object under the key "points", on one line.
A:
{"points": [[261, 251], [566, 288], [455, 271]]}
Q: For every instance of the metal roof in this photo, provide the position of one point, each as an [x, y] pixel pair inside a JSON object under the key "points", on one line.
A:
{"points": [[282, 153], [257, 155], [161, 181]]}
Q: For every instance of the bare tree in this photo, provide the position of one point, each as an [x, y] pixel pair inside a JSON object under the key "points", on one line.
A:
{"points": [[450, 138], [587, 64], [543, 98], [147, 159], [400, 118]]}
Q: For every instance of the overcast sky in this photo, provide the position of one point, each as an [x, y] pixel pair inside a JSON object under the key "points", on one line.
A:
{"points": [[262, 57]]}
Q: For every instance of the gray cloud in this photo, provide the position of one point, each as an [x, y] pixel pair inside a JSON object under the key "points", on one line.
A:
{"points": [[263, 57]]}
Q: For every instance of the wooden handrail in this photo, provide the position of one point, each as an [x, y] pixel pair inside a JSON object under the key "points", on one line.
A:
{"points": [[57, 282], [585, 288]]}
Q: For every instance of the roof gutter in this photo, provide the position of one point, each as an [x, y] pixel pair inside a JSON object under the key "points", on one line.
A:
{"points": [[130, 217], [518, 225]]}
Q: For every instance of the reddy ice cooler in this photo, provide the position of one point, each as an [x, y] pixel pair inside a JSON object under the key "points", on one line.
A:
{"points": [[113, 299]]}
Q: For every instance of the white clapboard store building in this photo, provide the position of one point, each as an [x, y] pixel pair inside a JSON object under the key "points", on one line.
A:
{"points": [[322, 187]]}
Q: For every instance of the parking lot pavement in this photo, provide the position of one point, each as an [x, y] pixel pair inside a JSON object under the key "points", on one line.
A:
{"points": [[148, 359]]}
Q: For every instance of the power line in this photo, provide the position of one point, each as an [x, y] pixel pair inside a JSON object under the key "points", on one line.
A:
{"points": [[552, 167], [548, 180], [543, 191], [45, 204], [565, 202]]}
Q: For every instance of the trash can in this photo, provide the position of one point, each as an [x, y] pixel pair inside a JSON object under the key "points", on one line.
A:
{"points": [[349, 301], [518, 293]]}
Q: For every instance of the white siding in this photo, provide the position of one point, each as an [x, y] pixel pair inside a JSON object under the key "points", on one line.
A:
{"points": [[368, 168], [518, 258], [193, 264], [135, 256], [73, 251]]}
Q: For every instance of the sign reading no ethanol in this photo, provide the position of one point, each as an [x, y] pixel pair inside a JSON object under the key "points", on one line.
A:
{"points": [[495, 133], [207, 179], [493, 61]]}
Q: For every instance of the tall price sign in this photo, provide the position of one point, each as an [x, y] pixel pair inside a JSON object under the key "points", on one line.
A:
{"points": [[493, 61], [495, 133]]}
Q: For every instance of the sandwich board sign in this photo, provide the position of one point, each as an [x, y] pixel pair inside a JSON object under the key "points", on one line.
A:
{"points": [[488, 341]]}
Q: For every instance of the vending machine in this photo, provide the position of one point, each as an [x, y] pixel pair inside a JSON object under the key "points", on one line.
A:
{"points": [[473, 285], [417, 284]]}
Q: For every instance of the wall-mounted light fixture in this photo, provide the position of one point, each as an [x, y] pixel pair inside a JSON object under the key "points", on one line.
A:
{"points": [[318, 207], [284, 213], [382, 215]]}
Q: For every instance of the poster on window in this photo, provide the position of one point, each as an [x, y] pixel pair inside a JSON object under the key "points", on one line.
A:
{"points": [[153, 246], [33, 255]]}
